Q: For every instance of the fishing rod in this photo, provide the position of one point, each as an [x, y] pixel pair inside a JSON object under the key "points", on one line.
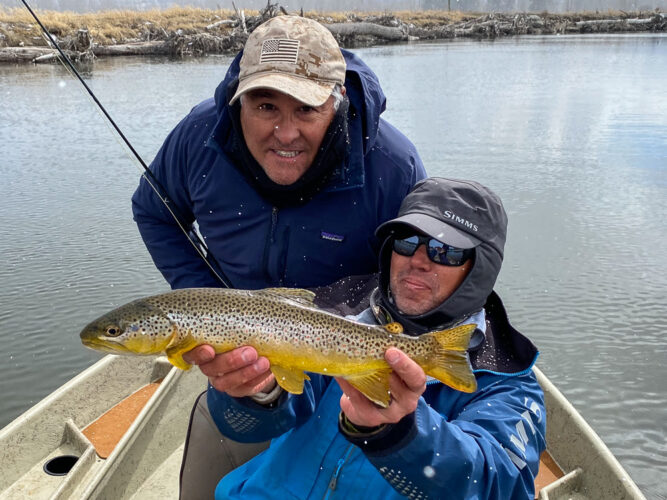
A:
{"points": [[192, 236]]}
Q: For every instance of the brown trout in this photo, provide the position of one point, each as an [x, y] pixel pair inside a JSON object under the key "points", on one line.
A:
{"points": [[285, 326]]}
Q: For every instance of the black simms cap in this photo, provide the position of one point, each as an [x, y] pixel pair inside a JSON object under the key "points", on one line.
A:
{"points": [[459, 213]]}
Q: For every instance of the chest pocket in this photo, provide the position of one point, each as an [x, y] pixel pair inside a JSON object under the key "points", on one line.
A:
{"points": [[321, 256]]}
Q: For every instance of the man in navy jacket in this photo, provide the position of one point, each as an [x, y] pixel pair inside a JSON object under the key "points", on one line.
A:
{"points": [[438, 264], [287, 171]]}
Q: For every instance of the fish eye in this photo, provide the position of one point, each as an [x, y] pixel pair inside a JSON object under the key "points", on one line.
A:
{"points": [[113, 331]]}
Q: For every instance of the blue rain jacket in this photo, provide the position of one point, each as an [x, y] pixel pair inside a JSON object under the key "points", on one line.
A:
{"points": [[484, 445], [258, 245]]}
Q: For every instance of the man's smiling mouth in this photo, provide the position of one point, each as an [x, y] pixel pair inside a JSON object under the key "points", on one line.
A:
{"points": [[286, 154]]}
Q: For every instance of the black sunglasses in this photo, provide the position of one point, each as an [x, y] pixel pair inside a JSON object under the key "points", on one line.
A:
{"points": [[437, 252]]}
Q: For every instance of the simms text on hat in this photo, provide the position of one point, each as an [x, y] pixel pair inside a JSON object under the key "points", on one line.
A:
{"points": [[293, 55]]}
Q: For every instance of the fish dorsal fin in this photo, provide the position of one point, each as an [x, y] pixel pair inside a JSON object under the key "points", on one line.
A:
{"points": [[373, 385], [301, 295], [394, 328], [289, 379]]}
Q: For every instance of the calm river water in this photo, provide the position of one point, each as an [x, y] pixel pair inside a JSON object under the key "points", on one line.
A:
{"points": [[570, 131]]}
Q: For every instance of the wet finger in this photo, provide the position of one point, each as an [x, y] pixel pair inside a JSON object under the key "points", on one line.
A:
{"points": [[199, 355], [250, 387], [242, 378], [406, 369]]}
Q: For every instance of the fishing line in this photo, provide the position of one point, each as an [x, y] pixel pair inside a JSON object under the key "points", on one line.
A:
{"points": [[153, 182]]}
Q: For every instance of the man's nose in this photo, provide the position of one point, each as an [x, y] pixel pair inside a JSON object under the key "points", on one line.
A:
{"points": [[420, 258], [286, 130]]}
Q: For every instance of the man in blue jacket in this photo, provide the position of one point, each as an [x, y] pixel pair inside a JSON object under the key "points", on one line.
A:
{"points": [[438, 264], [286, 172]]}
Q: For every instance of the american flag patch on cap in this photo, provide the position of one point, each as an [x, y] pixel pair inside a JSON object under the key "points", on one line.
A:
{"points": [[279, 50]]}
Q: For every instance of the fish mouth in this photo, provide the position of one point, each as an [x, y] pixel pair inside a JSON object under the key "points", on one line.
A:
{"points": [[104, 345]]}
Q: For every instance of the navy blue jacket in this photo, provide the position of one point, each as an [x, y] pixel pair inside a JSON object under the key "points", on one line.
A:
{"points": [[256, 244]]}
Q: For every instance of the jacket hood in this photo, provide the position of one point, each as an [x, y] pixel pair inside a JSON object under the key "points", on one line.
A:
{"points": [[367, 101], [468, 298]]}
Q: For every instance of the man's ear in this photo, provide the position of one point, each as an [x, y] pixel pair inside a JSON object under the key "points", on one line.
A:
{"points": [[342, 90]]}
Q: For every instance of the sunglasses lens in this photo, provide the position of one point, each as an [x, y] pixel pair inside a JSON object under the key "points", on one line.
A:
{"points": [[446, 255], [406, 246], [438, 252]]}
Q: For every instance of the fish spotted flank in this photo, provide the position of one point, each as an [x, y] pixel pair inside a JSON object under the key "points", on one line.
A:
{"points": [[285, 326]]}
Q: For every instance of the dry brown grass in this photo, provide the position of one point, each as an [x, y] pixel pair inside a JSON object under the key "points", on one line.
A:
{"points": [[114, 26], [429, 18], [119, 26], [423, 18]]}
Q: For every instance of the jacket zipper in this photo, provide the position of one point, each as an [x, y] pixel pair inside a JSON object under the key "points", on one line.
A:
{"points": [[333, 482], [274, 223], [269, 242]]}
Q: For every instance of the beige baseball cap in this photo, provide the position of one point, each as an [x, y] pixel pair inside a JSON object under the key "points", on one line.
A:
{"points": [[293, 55]]}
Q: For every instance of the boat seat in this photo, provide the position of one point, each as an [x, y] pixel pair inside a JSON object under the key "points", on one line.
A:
{"points": [[548, 472], [106, 431]]}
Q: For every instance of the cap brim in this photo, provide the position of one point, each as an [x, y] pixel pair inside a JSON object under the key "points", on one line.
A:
{"points": [[307, 91], [432, 227]]}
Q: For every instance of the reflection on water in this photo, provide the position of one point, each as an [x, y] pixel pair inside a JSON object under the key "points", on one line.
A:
{"points": [[570, 131]]}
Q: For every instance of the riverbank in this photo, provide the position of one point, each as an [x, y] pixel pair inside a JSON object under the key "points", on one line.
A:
{"points": [[192, 31]]}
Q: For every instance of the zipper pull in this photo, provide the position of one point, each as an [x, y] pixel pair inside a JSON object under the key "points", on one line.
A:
{"points": [[334, 478]]}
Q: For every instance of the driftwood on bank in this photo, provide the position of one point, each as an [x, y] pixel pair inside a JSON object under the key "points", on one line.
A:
{"points": [[132, 49], [657, 22], [78, 48], [358, 32], [343, 31], [496, 25], [23, 54]]}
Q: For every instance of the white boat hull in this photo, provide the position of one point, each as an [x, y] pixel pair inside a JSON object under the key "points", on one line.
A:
{"points": [[144, 462]]}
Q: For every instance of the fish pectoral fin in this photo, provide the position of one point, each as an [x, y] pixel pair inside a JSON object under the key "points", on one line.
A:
{"points": [[373, 385], [289, 379], [300, 295], [177, 347]]}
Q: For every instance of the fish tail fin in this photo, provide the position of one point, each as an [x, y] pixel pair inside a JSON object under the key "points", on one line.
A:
{"points": [[450, 363]]}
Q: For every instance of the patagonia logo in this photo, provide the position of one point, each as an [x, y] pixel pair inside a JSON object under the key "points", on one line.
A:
{"points": [[331, 236]]}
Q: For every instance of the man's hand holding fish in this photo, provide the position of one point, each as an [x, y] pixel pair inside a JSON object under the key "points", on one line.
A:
{"points": [[239, 372], [406, 384]]}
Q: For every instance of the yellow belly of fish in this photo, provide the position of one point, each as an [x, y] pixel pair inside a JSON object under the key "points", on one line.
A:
{"points": [[312, 360], [368, 375]]}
